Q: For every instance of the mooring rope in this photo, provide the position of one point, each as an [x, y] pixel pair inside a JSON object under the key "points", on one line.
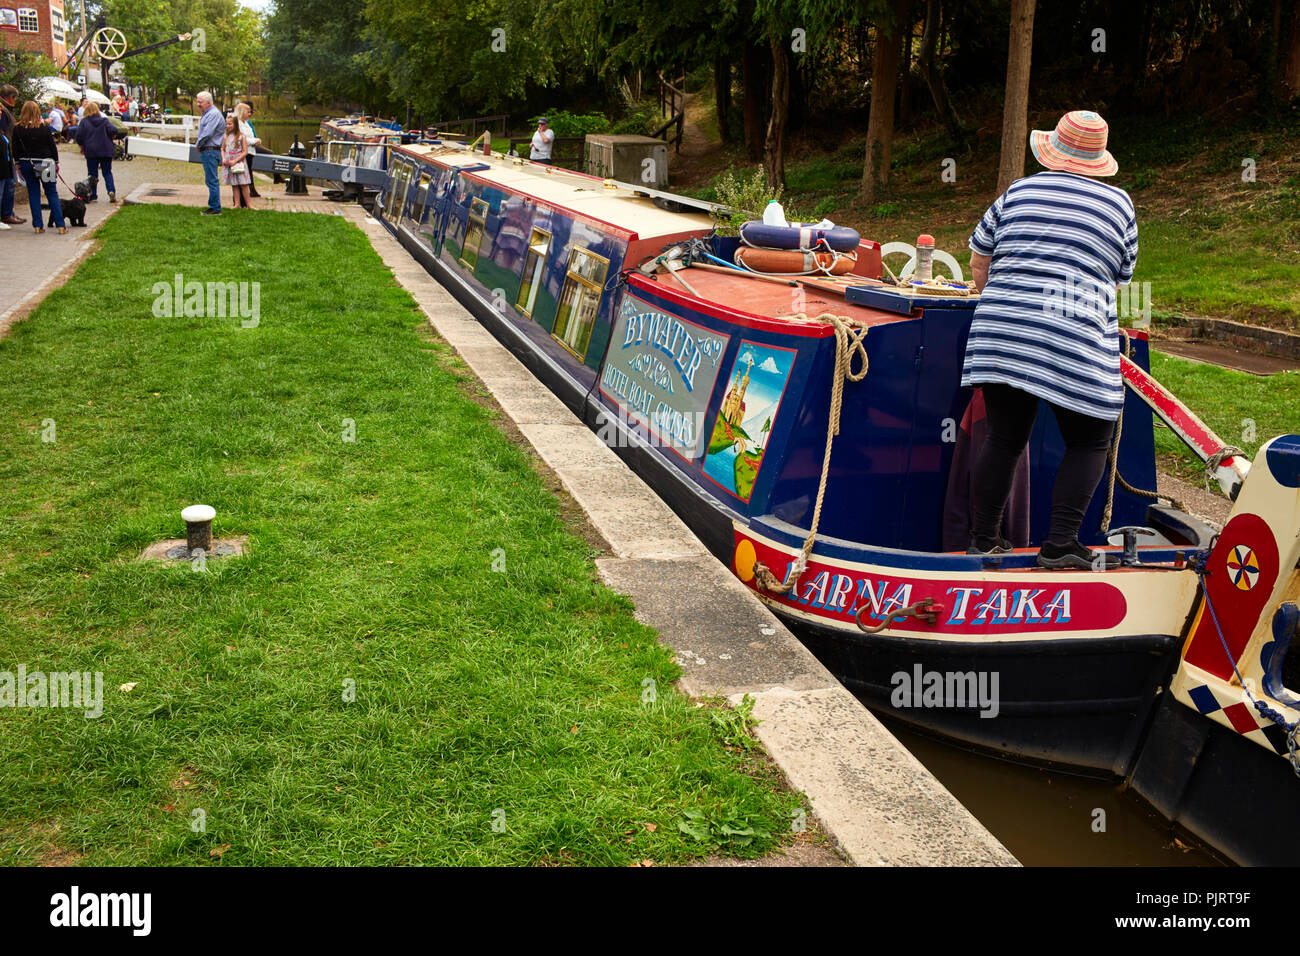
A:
{"points": [[1112, 462], [850, 341]]}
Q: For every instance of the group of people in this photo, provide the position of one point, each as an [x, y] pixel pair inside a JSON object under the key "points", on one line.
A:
{"points": [[128, 108], [225, 144], [27, 141]]}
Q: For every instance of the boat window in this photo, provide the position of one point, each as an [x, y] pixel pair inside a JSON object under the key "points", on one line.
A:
{"points": [[538, 247], [579, 300], [400, 179], [421, 198], [474, 231]]}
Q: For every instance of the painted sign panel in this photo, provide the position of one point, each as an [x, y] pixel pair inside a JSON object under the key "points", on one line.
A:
{"points": [[660, 369], [966, 608], [740, 432]]}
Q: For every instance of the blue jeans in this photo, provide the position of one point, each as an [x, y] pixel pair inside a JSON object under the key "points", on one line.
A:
{"points": [[34, 185], [93, 164], [7, 198], [211, 163]]}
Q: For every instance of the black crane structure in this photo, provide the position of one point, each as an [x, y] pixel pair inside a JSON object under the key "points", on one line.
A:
{"points": [[106, 63]]}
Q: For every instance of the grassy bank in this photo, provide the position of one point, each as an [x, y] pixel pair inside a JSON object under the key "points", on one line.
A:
{"points": [[1218, 213], [414, 663], [1243, 409]]}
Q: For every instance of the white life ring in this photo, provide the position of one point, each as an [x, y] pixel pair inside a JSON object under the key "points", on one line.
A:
{"points": [[903, 248]]}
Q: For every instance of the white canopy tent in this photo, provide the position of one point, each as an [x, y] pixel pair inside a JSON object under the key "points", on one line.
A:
{"points": [[96, 97], [55, 87]]}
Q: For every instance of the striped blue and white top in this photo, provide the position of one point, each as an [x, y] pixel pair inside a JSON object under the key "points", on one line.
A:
{"points": [[1046, 320]]}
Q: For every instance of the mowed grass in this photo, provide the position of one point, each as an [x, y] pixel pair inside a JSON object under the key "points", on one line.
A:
{"points": [[1243, 409], [500, 717]]}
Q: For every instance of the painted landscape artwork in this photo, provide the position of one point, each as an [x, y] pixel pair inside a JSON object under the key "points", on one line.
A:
{"points": [[757, 382]]}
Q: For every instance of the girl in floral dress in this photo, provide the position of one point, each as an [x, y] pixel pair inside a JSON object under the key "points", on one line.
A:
{"points": [[234, 163]]}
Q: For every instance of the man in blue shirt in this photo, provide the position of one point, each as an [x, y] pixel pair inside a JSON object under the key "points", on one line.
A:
{"points": [[212, 128]]}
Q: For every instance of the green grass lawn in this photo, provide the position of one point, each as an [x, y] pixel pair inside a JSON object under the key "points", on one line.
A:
{"points": [[1243, 409], [512, 697]]}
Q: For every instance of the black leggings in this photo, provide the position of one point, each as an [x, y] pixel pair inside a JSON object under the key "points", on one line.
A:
{"points": [[1011, 415]]}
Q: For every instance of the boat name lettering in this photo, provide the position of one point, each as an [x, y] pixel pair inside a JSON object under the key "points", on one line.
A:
{"points": [[654, 351], [966, 606], [670, 336]]}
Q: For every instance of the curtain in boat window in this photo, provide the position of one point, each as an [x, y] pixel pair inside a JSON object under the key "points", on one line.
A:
{"points": [[534, 266], [579, 300], [474, 231]]}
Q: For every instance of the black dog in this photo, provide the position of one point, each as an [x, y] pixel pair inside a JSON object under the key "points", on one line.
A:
{"points": [[83, 189], [74, 210]]}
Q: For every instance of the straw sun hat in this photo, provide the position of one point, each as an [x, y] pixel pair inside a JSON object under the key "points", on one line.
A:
{"points": [[1077, 145]]}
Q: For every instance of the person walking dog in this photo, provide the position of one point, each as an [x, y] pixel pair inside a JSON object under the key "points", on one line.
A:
{"points": [[8, 97], [1048, 256], [38, 161], [212, 129], [95, 137]]}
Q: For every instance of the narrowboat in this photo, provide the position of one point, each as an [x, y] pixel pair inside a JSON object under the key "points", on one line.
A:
{"points": [[356, 141], [810, 430]]}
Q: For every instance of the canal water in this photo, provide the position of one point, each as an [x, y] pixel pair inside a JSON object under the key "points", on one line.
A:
{"points": [[1051, 819], [278, 137]]}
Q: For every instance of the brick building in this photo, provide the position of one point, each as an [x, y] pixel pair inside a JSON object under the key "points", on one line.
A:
{"points": [[36, 25]]}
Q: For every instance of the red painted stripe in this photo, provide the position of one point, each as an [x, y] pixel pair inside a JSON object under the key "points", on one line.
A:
{"points": [[735, 317], [1176, 415]]}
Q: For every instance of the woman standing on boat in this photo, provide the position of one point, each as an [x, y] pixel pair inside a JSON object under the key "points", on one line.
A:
{"points": [[1047, 257]]}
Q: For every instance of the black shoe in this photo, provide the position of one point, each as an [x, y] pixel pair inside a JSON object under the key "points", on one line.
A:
{"points": [[989, 546], [1075, 557], [211, 212]]}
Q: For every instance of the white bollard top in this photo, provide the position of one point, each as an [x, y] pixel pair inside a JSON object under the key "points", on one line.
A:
{"points": [[198, 513]]}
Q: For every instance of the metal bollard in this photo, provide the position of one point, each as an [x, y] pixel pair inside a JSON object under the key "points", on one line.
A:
{"points": [[198, 527], [297, 181]]}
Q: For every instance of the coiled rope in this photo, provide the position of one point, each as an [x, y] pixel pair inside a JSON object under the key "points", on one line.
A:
{"points": [[850, 341]]}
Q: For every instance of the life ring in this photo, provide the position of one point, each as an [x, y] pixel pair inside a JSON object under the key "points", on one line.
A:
{"points": [[909, 250], [793, 262], [804, 236]]}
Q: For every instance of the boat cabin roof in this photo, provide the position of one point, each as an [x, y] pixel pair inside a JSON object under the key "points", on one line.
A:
{"points": [[364, 130], [585, 195], [768, 299]]}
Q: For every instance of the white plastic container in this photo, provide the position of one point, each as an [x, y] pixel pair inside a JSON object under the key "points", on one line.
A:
{"points": [[774, 215]]}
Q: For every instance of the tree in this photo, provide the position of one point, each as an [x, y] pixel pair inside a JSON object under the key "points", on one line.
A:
{"points": [[933, 76], [1015, 114], [880, 122], [315, 47]]}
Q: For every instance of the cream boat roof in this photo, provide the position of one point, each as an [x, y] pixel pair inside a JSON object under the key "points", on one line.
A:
{"points": [[365, 130], [584, 195]]}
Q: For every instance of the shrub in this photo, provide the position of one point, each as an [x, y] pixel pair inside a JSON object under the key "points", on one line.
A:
{"points": [[747, 196], [564, 123]]}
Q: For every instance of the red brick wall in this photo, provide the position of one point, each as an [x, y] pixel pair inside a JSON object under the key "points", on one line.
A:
{"points": [[42, 41]]}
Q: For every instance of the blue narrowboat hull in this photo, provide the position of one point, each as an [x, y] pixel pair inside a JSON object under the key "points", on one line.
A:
{"points": [[723, 409]]}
